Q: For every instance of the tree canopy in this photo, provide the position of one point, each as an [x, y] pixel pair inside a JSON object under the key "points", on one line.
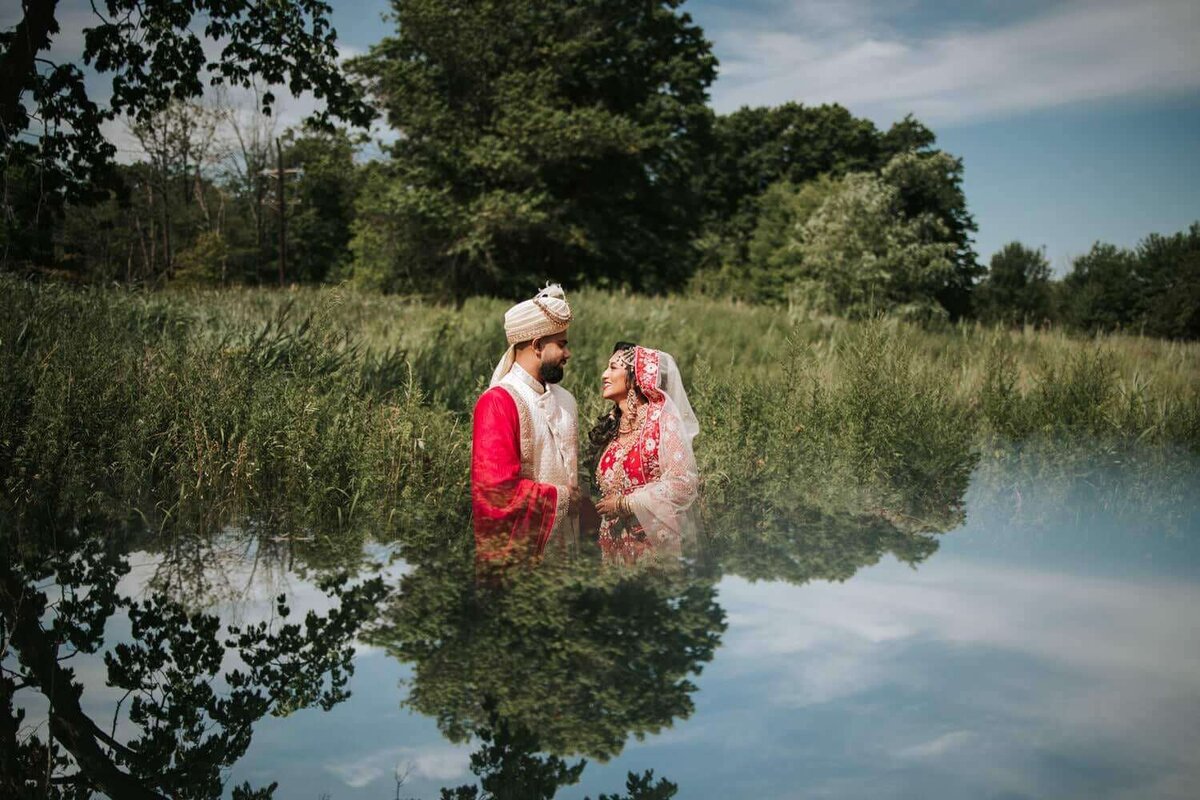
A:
{"points": [[155, 53], [1017, 287], [538, 139]]}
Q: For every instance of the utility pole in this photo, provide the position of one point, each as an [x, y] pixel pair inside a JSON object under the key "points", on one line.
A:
{"points": [[282, 213], [280, 175]]}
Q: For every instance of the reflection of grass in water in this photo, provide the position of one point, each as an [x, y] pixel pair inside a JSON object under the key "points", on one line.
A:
{"points": [[1045, 484], [342, 406]]}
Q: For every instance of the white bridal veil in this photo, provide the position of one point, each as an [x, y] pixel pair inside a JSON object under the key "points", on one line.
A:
{"points": [[665, 507]]}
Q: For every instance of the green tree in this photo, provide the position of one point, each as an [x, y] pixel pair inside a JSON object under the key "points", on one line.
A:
{"points": [[322, 203], [755, 148], [540, 139], [1169, 273], [930, 188], [1017, 287], [860, 253], [772, 265], [1101, 290], [50, 127], [759, 152]]}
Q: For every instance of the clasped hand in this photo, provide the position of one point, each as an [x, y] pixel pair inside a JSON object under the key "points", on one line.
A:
{"points": [[609, 505]]}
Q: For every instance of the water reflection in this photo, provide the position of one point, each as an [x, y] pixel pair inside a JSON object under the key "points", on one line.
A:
{"points": [[1046, 637], [184, 715], [584, 657]]}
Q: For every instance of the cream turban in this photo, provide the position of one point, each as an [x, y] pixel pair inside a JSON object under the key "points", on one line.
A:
{"points": [[544, 315]]}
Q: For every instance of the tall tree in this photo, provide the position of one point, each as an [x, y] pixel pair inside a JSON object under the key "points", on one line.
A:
{"points": [[930, 185], [755, 148], [1101, 289], [322, 202], [759, 148], [1017, 286], [175, 141], [1169, 274], [860, 253], [539, 139]]}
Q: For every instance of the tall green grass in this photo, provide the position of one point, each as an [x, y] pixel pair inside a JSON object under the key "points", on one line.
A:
{"points": [[119, 403], [339, 405]]}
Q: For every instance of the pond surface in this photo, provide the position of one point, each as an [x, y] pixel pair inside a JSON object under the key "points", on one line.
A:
{"points": [[1046, 646]]}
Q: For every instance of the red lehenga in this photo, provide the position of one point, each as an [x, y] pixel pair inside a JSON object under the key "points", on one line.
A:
{"points": [[656, 471]]}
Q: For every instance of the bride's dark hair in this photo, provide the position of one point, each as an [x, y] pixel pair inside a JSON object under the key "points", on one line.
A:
{"points": [[606, 425]]}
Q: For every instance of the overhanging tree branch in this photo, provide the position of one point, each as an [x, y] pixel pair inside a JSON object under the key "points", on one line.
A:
{"points": [[17, 67]]}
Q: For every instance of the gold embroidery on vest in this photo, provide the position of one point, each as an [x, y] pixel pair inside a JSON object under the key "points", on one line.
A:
{"points": [[526, 425]]}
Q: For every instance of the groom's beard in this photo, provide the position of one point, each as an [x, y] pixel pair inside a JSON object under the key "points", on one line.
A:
{"points": [[551, 373]]}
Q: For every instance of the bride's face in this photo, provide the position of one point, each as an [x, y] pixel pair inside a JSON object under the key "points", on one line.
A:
{"points": [[614, 383]]}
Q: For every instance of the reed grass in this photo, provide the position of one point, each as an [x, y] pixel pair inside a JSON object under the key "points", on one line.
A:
{"points": [[340, 404]]}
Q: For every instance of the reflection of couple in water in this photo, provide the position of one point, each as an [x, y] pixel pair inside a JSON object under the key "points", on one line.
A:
{"points": [[524, 480]]}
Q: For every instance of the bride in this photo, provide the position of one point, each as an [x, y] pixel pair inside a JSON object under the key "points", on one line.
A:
{"points": [[647, 471]]}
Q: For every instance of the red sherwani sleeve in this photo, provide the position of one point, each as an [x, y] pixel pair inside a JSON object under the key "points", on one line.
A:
{"points": [[511, 513]]}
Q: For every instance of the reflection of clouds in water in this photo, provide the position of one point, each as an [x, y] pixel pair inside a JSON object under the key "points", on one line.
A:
{"points": [[1005, 679], [251, 586], [435, 763], [1096, 625]]}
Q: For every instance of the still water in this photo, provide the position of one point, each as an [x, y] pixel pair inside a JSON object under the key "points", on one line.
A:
{"points": [[1045, 644]]}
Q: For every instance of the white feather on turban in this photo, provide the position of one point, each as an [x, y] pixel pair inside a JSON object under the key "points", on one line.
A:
{"points": [[544, 315]]}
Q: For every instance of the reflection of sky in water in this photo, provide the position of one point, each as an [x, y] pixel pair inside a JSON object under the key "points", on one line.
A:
{"points": [[959, 679], [1048, 649], [952, 681]]}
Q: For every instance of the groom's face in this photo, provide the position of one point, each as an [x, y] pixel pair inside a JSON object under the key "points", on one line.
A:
{"points": [[554, 355]]}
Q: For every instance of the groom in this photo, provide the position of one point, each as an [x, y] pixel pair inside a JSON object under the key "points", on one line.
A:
{"points": [[524, 483]]}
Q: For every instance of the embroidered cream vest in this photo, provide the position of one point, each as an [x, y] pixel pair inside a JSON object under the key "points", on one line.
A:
{"points": [[549, 441]]}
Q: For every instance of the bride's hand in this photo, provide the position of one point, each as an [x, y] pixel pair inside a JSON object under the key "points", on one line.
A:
{"points": [[608, 505]]}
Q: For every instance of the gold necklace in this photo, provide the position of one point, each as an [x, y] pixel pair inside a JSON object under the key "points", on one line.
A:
{"points": [[637, 418]]}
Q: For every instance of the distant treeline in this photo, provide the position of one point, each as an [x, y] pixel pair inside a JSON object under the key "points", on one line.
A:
{"points": [[549, 139]]}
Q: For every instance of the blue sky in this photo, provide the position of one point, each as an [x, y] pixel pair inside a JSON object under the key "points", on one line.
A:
{"points": [[1078, 120]]}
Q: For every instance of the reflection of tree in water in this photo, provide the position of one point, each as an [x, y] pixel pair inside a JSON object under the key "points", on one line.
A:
{"points": [[572, 659], [171, 734], [582, 656], [781, 536], [236, 564], [815, 545], [509, 764], [565, 660]]}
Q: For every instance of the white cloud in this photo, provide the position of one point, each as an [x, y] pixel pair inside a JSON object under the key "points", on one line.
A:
{"points": [[1079, 51], [1100, 627], [938, 747], [437, 763]]}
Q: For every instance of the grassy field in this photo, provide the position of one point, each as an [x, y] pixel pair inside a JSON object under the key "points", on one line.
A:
{"points": [[333, 405]]}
